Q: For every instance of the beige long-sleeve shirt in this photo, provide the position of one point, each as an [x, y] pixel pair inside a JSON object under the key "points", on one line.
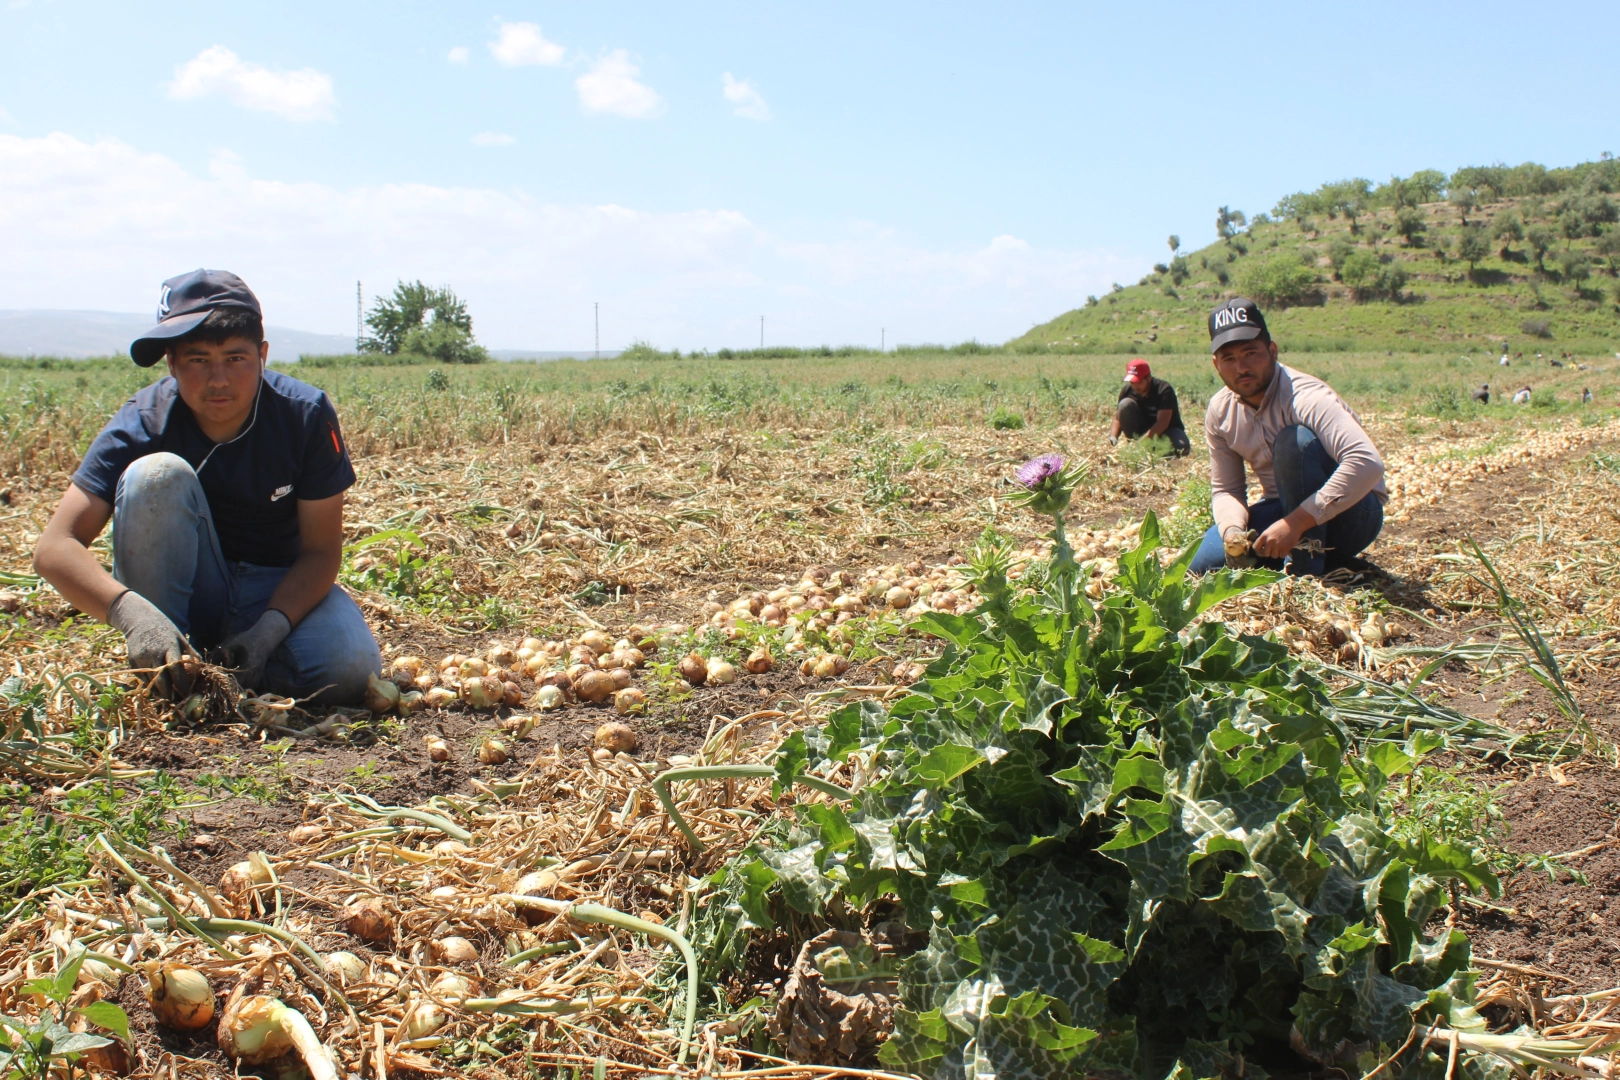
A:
{"points": [[1239, 433]]}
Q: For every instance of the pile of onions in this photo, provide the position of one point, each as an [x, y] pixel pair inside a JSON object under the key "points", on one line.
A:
{"points": [[180, 996]]}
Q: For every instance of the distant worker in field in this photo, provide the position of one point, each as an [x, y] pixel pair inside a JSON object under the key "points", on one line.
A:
{"points": [[224, 482], [1482, 394], [1321, 477], [1523, 396], [1148, 409]]}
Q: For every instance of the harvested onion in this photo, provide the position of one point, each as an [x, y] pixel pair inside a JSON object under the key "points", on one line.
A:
{"points": [[472, 666], [180, 996], [422, 1018], [438, 749], [345, 966], [721, 672], [250, 1030], [381, 694], [492, 751], [454, 950], [242, 878], [616, 737], [438, 697], [482, 692], [452, 988], [760, 661], [694, 669], [411, 701], [548, 698], [596, 641], [367, 920], [630, 700], [501, 655], [595, 686]]}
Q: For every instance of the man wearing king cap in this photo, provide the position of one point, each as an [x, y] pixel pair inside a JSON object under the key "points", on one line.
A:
{"points": [[224, 482], [1321, 477], [1148, 409]]}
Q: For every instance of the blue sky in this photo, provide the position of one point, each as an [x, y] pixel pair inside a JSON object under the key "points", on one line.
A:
{"points": [[941, 171]]}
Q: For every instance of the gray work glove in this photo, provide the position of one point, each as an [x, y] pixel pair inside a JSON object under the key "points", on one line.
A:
{"points": [[153, 642], [248, 651]]}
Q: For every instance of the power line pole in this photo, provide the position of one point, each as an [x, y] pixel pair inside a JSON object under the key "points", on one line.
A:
{"points": [[358, 323], [597, 305], [762, 331], [883, 336]]}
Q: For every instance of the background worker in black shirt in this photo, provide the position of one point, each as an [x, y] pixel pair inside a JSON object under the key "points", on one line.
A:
{"points": [[1148, 407]]}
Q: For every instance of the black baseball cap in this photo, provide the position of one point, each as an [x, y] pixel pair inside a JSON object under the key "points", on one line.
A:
{"points": [[1239, 319], [184, 303]]}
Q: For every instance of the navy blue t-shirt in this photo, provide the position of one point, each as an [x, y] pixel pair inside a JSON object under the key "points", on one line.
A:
{"points": [[292, 451]]}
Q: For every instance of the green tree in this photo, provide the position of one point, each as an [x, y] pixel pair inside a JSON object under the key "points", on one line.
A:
{"points": [[1576, 268], [1370, 277], [1228, 222], [1540, 240], [1473, 246], [1425, 186], [1175, 244], [1410, 223], [409, 310], [1339, 253], [1465, 199], [1352, 198], [1608, 246], [1507, 228]]}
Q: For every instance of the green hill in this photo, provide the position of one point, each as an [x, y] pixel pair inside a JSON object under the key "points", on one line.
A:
{"points": [[1524, 255]]}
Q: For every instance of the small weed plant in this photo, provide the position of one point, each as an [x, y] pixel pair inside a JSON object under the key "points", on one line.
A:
{"points": [[36, 1050]]}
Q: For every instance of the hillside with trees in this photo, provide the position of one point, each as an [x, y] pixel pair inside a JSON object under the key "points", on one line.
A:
{"points": [[1523, 256]]}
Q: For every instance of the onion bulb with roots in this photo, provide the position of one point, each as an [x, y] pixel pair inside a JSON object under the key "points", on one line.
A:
{"points": [[760, 661], [501, 655], [437, 749], [381, 695], [242, 878], [345, 967], [492, 751], [621, 677], [482, 692], [537, 663], [451, 663], [721, 672], [596, 640], [617, 737], [410, 666], [250, 1030], [180, 996], [595, 686], [425, 681], [454, 950], [367, 919], [630, 700], [548, 698], [439, 697], [471, 666], [694, 669], [411, 702]]}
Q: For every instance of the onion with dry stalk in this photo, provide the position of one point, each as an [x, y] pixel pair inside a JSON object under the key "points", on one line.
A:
{"points": [[616, 737], [367, 919], [180, 996], [482, 692], [452, 987], [454, 950], [256, 1029], [422, 1018], [760, 661], [345, 967], [239, 882]]}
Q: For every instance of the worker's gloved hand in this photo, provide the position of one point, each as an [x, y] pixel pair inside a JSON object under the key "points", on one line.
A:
{"points": [[153, 642], [1113, 440], [1239, 548], [248, 651]]}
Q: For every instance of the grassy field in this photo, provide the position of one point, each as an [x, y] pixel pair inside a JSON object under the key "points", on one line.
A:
{"points": [[657, 498]]}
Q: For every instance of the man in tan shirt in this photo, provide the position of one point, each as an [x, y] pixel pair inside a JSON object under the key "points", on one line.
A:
{"points": [[1321, 478]]}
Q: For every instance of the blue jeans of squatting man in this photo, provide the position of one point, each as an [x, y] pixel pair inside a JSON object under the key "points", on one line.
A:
{"points": [[1302, 465], [165, 548]]}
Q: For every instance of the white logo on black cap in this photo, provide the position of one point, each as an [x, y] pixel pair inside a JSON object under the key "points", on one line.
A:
{"points": [[163, 303], [1230, 316]]}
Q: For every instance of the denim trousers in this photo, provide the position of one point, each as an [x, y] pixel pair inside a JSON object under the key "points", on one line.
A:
{"points": [[166, 549], [1302, 465]]}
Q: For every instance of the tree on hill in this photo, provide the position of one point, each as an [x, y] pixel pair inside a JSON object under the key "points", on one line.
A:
{"points": [[1410, 223], [1539, 238], [1473, 246], [1465, 199], [1575, 267], [424, 321], [1608, 246], [1228, 222], [1284, 278], [1352, 198], [1508, 229], [1175, 244], [1339, 253], [1370, 277]]}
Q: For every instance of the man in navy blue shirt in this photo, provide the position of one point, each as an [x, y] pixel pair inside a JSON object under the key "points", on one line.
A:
{"points": [[224, 483]]}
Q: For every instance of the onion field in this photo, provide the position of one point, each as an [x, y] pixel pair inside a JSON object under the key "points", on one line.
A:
{"points": [[750, 717]]}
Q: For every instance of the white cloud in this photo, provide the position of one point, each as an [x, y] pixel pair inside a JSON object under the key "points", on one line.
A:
{"points": [[492, 138], [104, 222], [743, 94], [459, 54], [521, 44], [305, 94], [612, 86]]}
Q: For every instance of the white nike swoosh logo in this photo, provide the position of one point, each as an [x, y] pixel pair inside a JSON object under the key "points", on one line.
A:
{"points": [[281, 492]]}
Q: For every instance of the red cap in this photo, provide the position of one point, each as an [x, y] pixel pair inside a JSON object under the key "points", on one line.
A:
{"points": [[1138, 369]]}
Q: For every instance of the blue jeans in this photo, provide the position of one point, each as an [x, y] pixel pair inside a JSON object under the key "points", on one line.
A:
{"points": [[165, 548], [1301, 465]]}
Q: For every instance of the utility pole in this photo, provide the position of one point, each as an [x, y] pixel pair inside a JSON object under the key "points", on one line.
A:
{"points": [[358, 323], [598, 306], [762, 331], [883, 336]]}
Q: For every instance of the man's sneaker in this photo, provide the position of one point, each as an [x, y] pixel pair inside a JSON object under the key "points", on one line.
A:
{"points": [[1353, 569]]}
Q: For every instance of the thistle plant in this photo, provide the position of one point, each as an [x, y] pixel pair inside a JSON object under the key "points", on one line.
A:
{"points": [[1047, 484]]}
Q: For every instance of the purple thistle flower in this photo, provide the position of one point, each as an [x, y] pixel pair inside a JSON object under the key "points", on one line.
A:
{"points": [[1032, 474]]}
